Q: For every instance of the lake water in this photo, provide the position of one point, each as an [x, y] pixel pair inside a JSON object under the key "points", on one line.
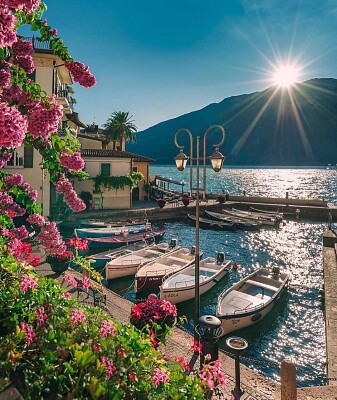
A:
{"points": [[295, 327]]}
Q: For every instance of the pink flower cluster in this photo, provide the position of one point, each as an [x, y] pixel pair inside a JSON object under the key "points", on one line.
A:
{"points": [[30, 335], [81, 73], [4, 78], [212, 375], [70, 196], [153, 311], [73, 161], [41, 316], [15, 94], [14, 179], [184, 363], [25, 62], [44, 119], [27, 5], [71, 280], [23, 48], [4, 157], [13, 127], [36, 219], [5, 199], [33, 194], [19, 233], [28, 282], [78, 316], [51, 239], [108, 366], [107, 328], [78, 243], [7, 28], [160, 375]]}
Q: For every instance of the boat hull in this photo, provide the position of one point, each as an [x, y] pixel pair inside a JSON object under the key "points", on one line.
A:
{"points": [[118, 271], [143, 283], [85, 233], [234, 322], [178, 295]]}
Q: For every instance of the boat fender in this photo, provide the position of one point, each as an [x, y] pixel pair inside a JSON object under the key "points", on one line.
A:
{"points": [[235, 265], [256, 317]]}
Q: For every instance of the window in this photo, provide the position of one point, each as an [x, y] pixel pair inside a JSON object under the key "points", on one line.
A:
{"points": [[28, 157], [17, 159], [105, 169], [134, 169]]}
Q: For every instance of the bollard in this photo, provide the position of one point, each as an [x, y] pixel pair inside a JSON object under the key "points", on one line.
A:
{"points": [[288, 381], [209, 330], [237, 345]]}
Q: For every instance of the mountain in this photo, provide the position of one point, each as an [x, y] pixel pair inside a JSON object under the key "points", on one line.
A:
{"points": [[272, 127]]}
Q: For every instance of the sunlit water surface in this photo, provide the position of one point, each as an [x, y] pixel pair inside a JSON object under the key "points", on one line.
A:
{"points": [[295, 327]]}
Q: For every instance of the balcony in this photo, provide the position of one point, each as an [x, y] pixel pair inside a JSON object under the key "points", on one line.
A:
{"points": [[64, 98]]}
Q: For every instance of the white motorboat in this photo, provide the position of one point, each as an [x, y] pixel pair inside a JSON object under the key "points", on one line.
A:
{"points": [[151, 275], [128, 263], [112, 231], [100, 259], [250, 299], [180, 286]]}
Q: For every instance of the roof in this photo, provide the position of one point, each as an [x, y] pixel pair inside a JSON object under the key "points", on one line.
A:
{"points": [[73, 117], [115, 153]]}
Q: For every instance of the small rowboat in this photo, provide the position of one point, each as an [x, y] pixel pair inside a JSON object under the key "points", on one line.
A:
{"points": [[128, 263], [180, 286], [111, 231], [113, 242], [246, 215], [212, 224], [239, 223], [250, 299], [100, 259], [96, 223], [152, 274]]}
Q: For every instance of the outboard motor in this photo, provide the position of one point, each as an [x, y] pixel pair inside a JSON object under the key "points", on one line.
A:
{"points": [[220, 258], [173, 243], [193, 250]]}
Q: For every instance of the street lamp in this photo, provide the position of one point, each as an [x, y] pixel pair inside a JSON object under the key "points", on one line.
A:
{"points": [[216, 158], [216, 161]]}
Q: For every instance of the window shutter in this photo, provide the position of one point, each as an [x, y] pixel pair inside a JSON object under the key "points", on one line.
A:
{"points": [[105, 169], [28, 157]]}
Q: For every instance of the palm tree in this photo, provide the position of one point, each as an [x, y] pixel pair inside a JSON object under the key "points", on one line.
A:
{"points": [[120, 127]]}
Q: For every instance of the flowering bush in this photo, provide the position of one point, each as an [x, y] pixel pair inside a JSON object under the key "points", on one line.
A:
{"points": [[43, 331], [64, 257], [154, 316]]}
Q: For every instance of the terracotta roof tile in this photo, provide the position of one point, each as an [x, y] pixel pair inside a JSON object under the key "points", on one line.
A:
{"points": [[114, 153]]}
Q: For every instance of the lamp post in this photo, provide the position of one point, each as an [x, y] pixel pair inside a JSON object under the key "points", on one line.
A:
{"points": [[181, 161], [42, 187]]}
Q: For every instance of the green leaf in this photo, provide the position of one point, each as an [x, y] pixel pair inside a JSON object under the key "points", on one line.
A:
{"points": [[84, 358], [96, 389]]}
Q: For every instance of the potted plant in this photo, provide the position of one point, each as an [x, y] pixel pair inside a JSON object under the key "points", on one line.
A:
{"points": [[161, 202], [185, 199], [156, 317], [221, 198], [60, 263]]}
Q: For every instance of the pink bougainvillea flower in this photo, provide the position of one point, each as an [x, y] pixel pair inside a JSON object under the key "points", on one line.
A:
{"points": [[196, 347], [13, 126], [81, 73], [7, 28], [72, 161], [67, 295], [86, 283], [96, 346], [23, 47]]}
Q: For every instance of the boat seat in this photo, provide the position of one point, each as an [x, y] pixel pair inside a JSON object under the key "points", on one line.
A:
{"points": [[261, 285]]}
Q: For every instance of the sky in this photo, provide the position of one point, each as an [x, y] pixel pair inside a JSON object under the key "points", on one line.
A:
{"points": [[159, 59]]}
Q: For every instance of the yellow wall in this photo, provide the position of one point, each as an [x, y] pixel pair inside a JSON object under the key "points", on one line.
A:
{"points": [[34, 177], [112, 199]]}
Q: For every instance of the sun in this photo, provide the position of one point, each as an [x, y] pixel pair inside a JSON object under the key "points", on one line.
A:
{"points": [[285, 76]]}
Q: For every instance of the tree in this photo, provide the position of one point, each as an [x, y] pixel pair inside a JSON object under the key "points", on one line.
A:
{"points": [[120, 127]]}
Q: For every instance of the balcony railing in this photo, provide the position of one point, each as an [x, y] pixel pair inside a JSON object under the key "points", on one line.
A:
{"points": [[62, 92]]}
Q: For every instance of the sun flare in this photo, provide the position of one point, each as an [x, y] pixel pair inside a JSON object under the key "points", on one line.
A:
{"points": [[285, 76]]}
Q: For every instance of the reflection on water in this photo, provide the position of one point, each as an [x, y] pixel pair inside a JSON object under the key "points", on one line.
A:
{"points": [[304, 183], [295, 327]]}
